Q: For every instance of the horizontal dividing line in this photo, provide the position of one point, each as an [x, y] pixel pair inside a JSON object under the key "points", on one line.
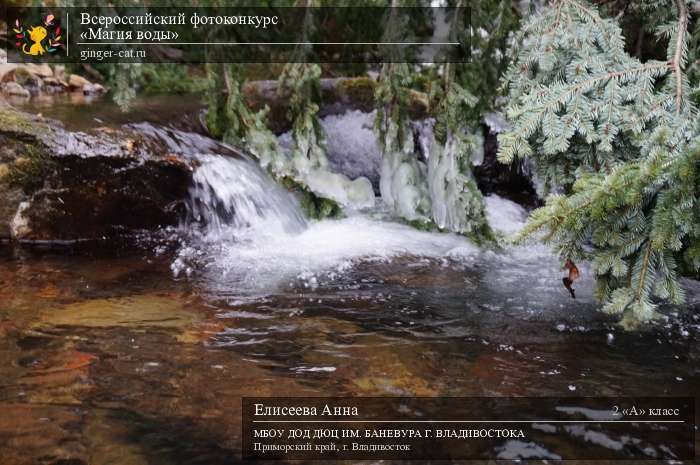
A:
{"points": [[468, 421], [268, 43]]}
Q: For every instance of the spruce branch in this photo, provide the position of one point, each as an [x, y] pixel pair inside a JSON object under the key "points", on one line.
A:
{"points": [[642, 291]]}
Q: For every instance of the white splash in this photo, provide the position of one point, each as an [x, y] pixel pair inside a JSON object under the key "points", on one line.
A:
{"points": [[265, 262], [504, 216], [232, 198], [246, 237], [248, 233]]}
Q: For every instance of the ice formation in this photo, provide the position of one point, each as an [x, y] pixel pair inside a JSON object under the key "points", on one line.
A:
{"points": [[352, 147], [309, 164], [402, 177], [456, 202]]}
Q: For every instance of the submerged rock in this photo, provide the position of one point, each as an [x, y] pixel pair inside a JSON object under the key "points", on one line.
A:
{"points": [[58, 185], [134, 311]]}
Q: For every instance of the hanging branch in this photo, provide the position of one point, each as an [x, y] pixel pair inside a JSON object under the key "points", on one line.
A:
{"points": [[618, 149], [456, 204], [678, 56]]}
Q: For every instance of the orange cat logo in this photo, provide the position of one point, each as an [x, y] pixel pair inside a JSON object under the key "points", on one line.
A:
{"points": [[38, 40]]}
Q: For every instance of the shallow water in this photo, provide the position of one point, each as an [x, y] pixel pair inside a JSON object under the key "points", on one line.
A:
{"points": [[142, 356], [114, 357], [81, 113]]}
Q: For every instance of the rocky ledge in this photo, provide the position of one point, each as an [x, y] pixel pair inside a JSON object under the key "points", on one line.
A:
{"points": [[23, 81], [337, 94], [58, 185]]}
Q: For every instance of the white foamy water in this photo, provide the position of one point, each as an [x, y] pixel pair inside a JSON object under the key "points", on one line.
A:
{"points": [[248, 232], [504, 216], [269, 261], [247, 236], [233, 198]]}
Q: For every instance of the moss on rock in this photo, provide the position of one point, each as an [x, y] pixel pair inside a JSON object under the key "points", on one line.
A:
{"points": [[359, 91], [315, 207], [20, 124], [29, 170]]}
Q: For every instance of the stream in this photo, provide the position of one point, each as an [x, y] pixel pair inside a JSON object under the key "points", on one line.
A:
{"points": [[140, 355]]}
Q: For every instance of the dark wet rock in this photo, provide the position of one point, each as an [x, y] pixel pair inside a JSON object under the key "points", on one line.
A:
{"points": [[53, 86], [58, 185], [11, 198], [94, 199], [510, 181]]}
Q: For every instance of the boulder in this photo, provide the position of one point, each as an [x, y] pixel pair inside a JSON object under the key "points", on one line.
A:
{"points": [[43, 70], [58, 185], [6, 70], [77, 82], [22, 76], [59, 72], [511, 181], [15, 90], [93, 89], [40, 79], [53, 85]]}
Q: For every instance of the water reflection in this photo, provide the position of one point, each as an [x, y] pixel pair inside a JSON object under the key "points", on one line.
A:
{"points": [[114, 359]]}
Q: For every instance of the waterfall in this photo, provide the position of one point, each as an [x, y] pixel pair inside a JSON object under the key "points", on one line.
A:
{"points": [[234, 199], [246, 235], [231, 198]]}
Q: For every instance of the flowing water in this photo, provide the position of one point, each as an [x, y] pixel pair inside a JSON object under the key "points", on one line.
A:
{"points": [[141, 355]]}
